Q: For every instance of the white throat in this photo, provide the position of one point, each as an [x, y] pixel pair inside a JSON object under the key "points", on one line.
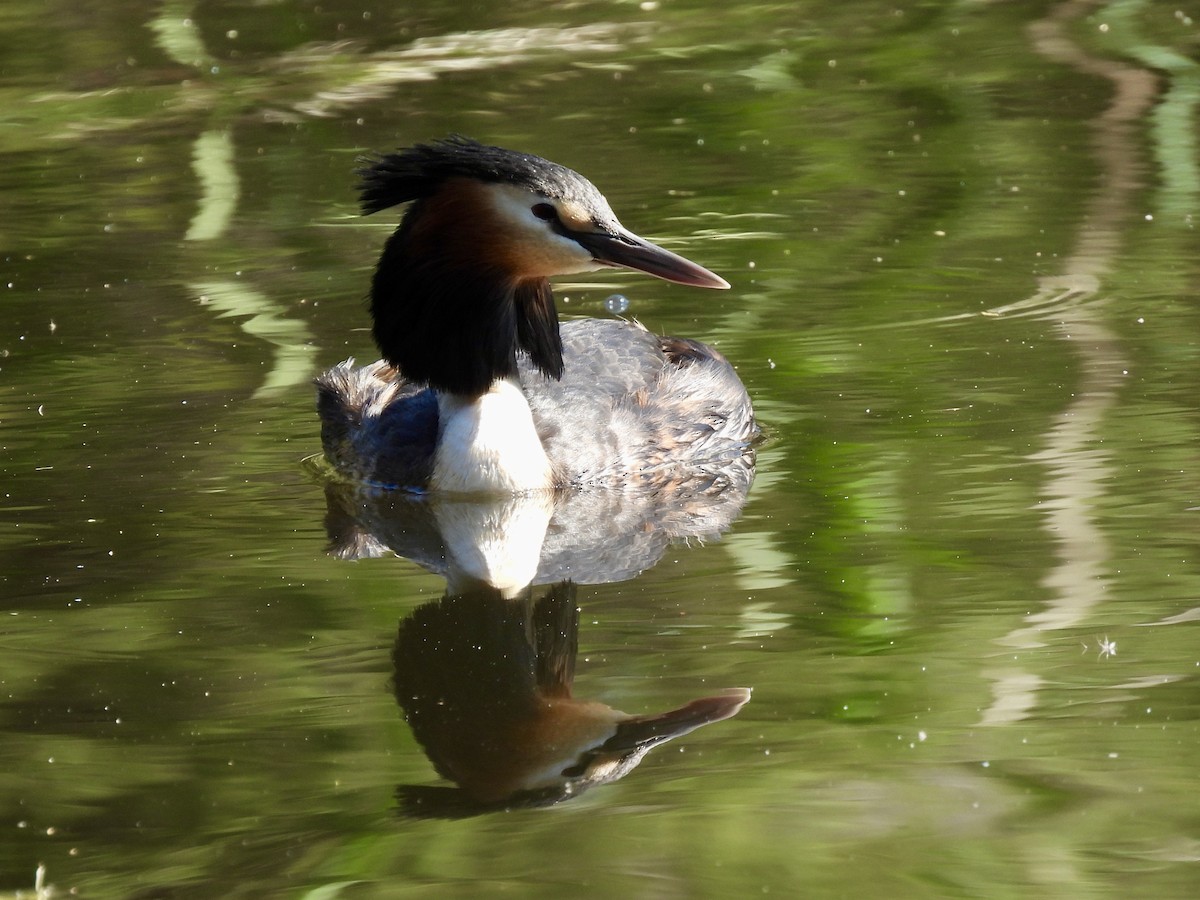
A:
{"points": [[489, 444]]}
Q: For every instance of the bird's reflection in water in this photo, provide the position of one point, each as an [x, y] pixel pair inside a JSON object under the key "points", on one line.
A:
{"points": [[484, 674], [485, 684], [589, 537]]}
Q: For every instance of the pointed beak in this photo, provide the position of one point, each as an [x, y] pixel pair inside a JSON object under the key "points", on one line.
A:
{"points": [[628, 251]]}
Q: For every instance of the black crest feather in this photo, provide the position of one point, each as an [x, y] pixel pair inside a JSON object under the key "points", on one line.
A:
{"points": [[418, 171]]}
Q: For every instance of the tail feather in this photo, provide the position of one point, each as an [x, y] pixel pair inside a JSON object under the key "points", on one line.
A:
{"points": [[375, 426]]}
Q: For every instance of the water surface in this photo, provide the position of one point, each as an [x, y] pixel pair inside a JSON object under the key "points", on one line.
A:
{"points": [[963, 587]]}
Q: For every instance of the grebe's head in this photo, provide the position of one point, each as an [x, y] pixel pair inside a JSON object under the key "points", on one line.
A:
{"points": [[518, 214], [462, 285]]}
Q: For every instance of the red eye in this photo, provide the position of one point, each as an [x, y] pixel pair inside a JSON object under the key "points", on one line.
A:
{"points": [[544, 211]]}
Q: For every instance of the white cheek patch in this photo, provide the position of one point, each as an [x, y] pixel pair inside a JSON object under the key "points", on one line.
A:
{"points": [[533, 242]]}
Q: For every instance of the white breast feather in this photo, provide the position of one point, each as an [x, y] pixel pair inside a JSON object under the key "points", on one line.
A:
{"points": [[489, 445]]}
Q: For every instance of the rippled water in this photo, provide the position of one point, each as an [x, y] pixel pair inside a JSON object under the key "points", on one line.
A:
{"points": [[963, 586]]}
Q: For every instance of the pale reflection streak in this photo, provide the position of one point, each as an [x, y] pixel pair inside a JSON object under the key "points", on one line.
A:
{"points": [[214, 156], [1077, 465], [427, 58], [213, 160], [260, 317]]}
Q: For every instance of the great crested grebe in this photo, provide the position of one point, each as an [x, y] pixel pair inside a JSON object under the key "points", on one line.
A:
{"points": [[479, 389]]}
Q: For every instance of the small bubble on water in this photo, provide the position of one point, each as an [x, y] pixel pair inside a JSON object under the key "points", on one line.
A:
{"points": [[616, 303]]}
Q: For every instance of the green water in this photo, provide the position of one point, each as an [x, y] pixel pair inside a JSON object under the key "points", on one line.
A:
{"points": [[964, 587]]}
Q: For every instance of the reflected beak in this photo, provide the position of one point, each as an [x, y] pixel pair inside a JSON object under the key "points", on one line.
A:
{"points": [[628, 251], [644, 732]]}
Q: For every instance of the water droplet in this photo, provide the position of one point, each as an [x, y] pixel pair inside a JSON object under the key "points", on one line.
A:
{"points": [[616, 303]]}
